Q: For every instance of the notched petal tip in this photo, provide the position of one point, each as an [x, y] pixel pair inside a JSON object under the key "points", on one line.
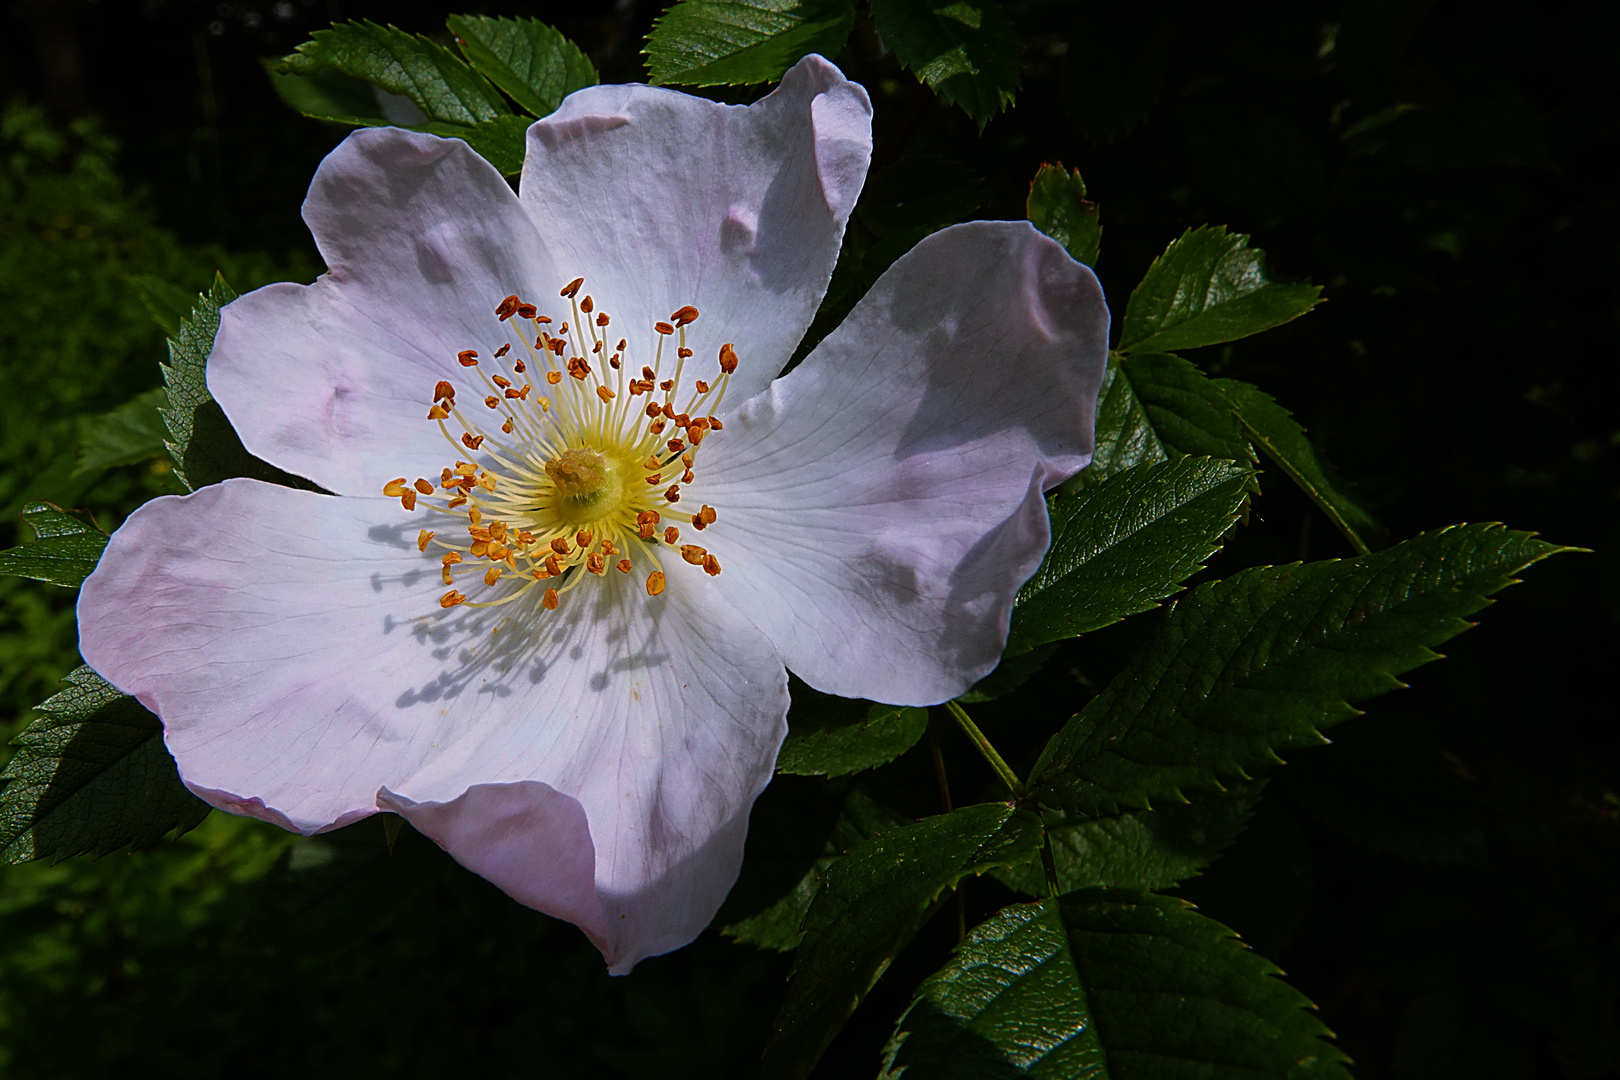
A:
{"points": [[841, 117]]}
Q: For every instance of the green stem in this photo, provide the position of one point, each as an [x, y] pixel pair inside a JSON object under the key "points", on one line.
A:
{"points": [[1002, 769]]}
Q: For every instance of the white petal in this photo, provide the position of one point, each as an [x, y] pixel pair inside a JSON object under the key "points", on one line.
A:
{"points": [[881, 504], [294, 647], [662, 199], [333, 381]]}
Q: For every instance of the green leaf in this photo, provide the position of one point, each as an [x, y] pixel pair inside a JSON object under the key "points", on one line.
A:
{"points": [[834, 736], [1121, 546], [535, 65], [1109, 984], [1013, 672], [331, 95], [964, 50], [91, 776], [1274, 430], [1153, 849], [67, 545], [205, 448], [1154, 408], [434, 79], [1209, 286], [1259, 663], [132, 432], [743, 42], [500, 141], [872, 901], [1058, 207], [790, 848]]}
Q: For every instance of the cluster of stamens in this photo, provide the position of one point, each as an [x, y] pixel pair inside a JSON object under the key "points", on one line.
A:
{"points": [[585, 466]]}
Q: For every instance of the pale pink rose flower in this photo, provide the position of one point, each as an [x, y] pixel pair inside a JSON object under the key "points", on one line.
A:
{"points": [[587, 742]]}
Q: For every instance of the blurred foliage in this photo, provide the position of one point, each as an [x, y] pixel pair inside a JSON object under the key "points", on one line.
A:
{"points": [[1444, 883]]}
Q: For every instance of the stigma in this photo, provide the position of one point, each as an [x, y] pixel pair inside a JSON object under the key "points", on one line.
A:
{"points": [[569, 452]]}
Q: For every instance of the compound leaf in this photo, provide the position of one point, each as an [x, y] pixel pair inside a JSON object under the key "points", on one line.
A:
{"points": [[132, 432], [834, 736], [966, 51], [1153, 408], [1057, 206], [1259, 663]]}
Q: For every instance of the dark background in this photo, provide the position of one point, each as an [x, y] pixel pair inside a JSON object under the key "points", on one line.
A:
{"points": [[1443, 881]]}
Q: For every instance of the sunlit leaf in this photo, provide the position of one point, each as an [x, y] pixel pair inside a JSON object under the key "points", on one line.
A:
{"points": [[534, 64], [66, 547], [964, 50], [743, 42]]}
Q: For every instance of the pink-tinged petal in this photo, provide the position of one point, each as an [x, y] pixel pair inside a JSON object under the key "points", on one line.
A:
{"points": [[880, 505], [294, 646], [422, 238], [661, 199]]}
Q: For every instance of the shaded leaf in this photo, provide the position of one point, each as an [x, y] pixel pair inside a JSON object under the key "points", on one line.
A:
{"points": [[834, 736], [1209, 286], [872, 901], [1281, 438], [743, 42], [204, 446], [91, 776], [1013, 672], [1151, 849], [964, 50], [1121, 546], [167, 303], [1111, 984], [132, 432], [1058, 207], [534, 64], [433, 78], [1153, 408], [67, 545], [790, 846], [1259, 663]]}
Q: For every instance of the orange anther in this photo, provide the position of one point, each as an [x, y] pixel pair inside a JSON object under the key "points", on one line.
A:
{"points": [[493, 402], [438, 412], [674, 493], [560, 546], [527, 311], [584, 537], [423, 486], [553, 567], [702, 387], [444, 575], [709, 514], [451, 599], [663, 328], [624, 566], [608, 548], [655, 583], [684, 315], [652, 462], [507, 427], [475, 515], [471, 441], [563, 329], [496, 551], [669, 411], [467, 358], [479, 548], [683, 352], [525, 536], [657, 427], [460, 500], [503, 350], [492, 575], [601, 318], [497, 529], [572, 287], [646, 522], [444, 391], [422, 539], [543, 319], [551, 600], [553, 377], [676, 446], [466, 468], [652, 408], [587, 305], [671, 535], [667, 384], [394, 488], [728, 358], [605, 394], [698, 523], [688, 476], [655, 479], [518, 365], [693, 554], [499, 381], [711, 565], [578, 367], [450, 558], [714, 423], [596, 348], [696, 434], [408, 500], [506, 307], [512, 392], [595, 563]]}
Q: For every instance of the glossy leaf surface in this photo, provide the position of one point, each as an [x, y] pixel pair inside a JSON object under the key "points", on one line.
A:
{"points": [[535, 65], [1058, 207], [66, 547], [964, 50], [743, 42]]}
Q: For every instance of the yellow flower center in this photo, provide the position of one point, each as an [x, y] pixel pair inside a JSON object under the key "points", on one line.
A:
{"points": [[576, 480]]}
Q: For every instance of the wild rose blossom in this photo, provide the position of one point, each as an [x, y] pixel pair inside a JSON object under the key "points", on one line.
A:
{"points": [[579, 526]]}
